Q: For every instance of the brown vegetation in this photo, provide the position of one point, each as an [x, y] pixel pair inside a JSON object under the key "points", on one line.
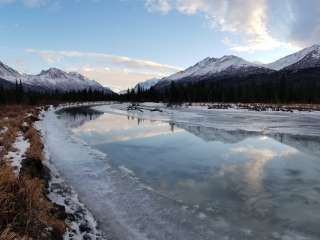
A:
{"points": [[25, 211]]}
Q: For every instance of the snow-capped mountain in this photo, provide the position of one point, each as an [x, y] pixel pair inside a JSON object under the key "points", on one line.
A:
{"points": [[57, 79], [311, 60], [8, 73], [215, 67], [51, 79], [294, 58], [146, 85], [233, 66]]}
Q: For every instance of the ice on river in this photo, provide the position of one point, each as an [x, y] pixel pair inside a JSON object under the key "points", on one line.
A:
{"points": [[112, 157]]}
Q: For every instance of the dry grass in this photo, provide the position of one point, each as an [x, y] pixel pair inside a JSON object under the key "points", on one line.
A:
{"points": [[36, 149], [32, 166], [25, 211], [12, 118]]}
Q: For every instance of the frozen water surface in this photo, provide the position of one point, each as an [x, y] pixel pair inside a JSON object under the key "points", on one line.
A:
{"points": [[191, 173]]}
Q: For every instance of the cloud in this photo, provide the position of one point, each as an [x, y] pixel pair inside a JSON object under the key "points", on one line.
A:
{"points": [[116, 79], [163, 6], [305, 27], [254, 24], [116, 61], [117, 72]]}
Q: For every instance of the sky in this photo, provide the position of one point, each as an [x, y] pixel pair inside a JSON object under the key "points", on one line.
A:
{"points": [[122, 42]]}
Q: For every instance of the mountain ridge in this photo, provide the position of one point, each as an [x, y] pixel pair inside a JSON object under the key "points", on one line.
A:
{"points": [[292, 58], [234, 66], [146, 85], [211, 66], [52, 79]]}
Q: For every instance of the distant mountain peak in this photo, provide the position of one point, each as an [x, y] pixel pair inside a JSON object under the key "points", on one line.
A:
{"points": [[52, 71], [147, 84], [79, 76], [315, 46], [207, 60], [210, 66], [310, 60], [229, 57], [233, 60], [294, 58], [52, 79]]}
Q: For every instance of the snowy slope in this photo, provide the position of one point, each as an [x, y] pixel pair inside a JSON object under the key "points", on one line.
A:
{"points": [[311, 60], [146, 85], [51, 79], [233, 65], [57, 79], [293, 58], [212, 66], [8, 73]]}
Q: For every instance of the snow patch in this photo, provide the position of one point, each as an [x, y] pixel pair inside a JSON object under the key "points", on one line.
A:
{"points": [[15, 157], [3, 130], [202, 215]]}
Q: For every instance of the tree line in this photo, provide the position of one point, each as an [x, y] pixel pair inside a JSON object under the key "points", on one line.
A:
{"points": [[299, 86], [281, 87], [19, 95]]}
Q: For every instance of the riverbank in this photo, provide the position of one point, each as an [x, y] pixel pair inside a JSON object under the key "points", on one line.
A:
{"points": [[25, 212], [257, 107], [35, 202]]}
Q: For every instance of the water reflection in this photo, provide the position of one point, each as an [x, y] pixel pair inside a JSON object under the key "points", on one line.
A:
{"points": [[239, 174], [108, 128], [77, 116]]}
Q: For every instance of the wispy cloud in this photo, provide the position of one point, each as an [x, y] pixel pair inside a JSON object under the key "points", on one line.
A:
{"points": [[163, 6], [118, 72], [116, 61]]}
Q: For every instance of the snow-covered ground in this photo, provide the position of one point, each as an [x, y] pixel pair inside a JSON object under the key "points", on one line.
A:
{"points": [[15, 157], [3, 130], [123, 206]]}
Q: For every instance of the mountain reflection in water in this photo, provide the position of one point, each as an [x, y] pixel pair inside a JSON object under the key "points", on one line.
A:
{"points": [[238, 174]]}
